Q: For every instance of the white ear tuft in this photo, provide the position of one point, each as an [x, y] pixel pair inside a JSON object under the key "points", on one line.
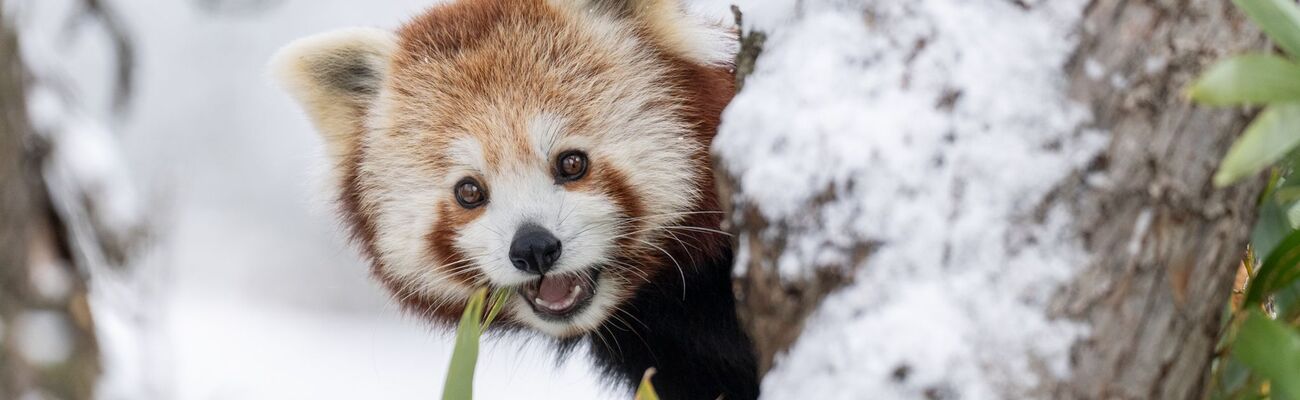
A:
{"points": [[673, 25], [336, 77], [691, 36]]}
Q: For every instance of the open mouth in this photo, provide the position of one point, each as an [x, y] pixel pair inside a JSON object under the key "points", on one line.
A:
{"points": [[560, 296]]}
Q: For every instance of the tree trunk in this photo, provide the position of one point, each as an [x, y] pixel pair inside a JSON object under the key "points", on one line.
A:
{"points": [[47, 340], [1156, 315], [15, 205], [1150, 246]]}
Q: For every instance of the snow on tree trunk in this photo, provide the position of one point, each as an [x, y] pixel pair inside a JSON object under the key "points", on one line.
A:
{"points": [[66, 213], [47, 341], [942, 199]]}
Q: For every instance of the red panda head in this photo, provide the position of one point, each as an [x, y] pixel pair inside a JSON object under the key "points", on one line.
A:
{"points": [[556, 147]]}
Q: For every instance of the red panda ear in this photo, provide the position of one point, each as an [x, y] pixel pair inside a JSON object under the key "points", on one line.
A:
{"points": [[672, 26], [336, 78]]}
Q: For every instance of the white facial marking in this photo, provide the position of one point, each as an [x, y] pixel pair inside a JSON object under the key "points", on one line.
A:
{"points": [[545, 131], [405, 200], [468, 155]]}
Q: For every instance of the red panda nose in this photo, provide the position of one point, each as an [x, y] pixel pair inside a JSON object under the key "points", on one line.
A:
{"points": [[534, 249]]}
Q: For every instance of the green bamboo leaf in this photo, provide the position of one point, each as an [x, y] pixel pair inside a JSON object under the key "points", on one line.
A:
{"points": [[1280, 19], [1280, 269], [460, 375], [1236, 376], [647, 390], [1274, 133], [1271, 227], [1233, 380], [1248, 79], [499, 298], [1272, 350]]}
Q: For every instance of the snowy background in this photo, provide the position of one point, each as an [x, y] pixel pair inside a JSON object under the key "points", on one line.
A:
{"points": [[247, 290]]}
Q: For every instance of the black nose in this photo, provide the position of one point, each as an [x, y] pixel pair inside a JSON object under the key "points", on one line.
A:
{"points": [[534, 249]]}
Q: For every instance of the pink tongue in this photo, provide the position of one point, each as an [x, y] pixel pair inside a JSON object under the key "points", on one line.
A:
{"points": [[555, 289]]}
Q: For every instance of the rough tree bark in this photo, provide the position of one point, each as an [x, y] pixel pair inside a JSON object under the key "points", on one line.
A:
{"points": [[47, 339], [1154, 315]]}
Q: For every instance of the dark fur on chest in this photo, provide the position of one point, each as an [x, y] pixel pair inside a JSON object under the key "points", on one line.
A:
{"points": [[690, 335]]}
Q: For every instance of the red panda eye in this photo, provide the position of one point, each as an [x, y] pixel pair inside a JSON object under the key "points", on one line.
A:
{"points": [[469, 194], [570, 166]]}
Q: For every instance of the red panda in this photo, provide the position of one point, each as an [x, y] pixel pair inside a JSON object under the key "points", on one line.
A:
{"points": [[555, 147]]}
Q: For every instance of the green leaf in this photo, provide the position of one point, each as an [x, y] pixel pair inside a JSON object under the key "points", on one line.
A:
{"points": [[499, 298], [647, 390], [1274, 133], [1248, 79], [1234, 381], [1280, 19], [1271, 227], [1278, 271], [1272, 350], [460, 375]]}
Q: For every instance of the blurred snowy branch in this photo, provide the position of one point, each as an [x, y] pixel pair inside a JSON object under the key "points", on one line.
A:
{"points": [[81, 222], [237, 7], [114, 28], [80, 161]]}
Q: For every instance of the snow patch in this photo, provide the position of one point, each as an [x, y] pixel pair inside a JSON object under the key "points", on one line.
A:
{"points": [[1118, 81], [1094, 69], [1140, 231], [50, 279], [86, 163], [933, 129], [1154, 65], [46, 337]]}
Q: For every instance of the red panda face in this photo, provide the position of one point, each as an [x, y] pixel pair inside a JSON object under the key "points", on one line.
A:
{"points": [[552, 147]]}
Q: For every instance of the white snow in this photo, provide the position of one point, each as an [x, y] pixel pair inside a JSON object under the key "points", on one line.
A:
{"points": [[50, 280], [1140, 230], [46, 337], [260, 351], [1094, 69], [936, 127], [94, 161], [86, 163], [1154, 65]]}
